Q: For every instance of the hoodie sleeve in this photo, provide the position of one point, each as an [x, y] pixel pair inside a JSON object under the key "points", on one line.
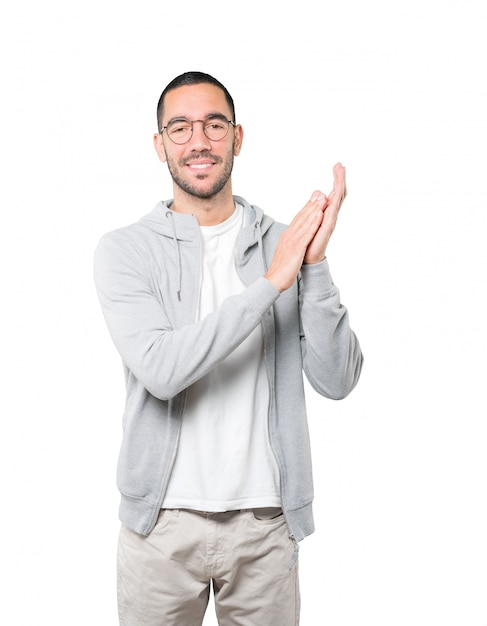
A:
{"points": [[167, 360], [332, 358]]}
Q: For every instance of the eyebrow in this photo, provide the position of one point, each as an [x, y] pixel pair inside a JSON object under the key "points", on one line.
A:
{"points": [[181, 118]]}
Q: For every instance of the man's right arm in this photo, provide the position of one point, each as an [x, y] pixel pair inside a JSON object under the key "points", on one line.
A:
{"points": [[164, 359]]}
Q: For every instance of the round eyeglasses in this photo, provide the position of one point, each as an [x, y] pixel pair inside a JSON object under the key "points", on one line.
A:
{"points": [[180, 130]]}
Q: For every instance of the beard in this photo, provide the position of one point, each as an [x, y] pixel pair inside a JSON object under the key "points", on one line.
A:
{"points": [[176, 170]]}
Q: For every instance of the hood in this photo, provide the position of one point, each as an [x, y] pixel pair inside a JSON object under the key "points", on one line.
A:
{"points": [[184, 227]]}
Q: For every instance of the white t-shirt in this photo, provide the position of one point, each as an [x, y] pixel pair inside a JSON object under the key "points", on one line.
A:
{"points": [[224, 460]]}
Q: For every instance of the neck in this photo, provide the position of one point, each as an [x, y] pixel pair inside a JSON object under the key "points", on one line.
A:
{"points": [[208, 211]]}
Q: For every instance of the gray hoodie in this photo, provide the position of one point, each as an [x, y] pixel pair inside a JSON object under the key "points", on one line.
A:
{"points": [[148, 278]]}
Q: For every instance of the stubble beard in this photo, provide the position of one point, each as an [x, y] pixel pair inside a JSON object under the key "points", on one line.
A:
{"points": [[176, 169]]}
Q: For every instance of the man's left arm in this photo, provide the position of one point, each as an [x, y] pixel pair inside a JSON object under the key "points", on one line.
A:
{"points": [[331, 354], [332, 358]]}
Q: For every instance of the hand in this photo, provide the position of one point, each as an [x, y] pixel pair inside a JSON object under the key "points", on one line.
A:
{"points": [[306, 238], [316, 250], [294, 242]]}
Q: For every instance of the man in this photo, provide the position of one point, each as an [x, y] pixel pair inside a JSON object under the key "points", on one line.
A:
{"points": [[216, 311]]}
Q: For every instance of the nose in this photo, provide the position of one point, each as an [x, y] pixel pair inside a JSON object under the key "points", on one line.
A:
{"points": [[199, 141]]}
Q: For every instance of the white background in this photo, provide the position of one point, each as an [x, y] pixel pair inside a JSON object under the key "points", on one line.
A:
{"points": [[397, 92]]}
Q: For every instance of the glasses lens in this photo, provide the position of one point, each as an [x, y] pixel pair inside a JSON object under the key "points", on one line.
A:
{"points": [[179, 131], [216, 128]]}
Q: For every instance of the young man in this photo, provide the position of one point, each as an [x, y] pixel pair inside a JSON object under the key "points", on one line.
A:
{"points": [[216, 311]]}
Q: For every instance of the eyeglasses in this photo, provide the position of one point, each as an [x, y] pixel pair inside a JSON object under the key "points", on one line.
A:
{"points": [[180, 130]]}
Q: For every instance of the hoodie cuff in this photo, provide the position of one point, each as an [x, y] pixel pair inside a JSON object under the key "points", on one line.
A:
{"points": [[263, 294], [317, 277]]}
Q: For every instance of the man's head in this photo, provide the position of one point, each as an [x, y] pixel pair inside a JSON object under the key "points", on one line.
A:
{"points": [[197, 137], [192, 78]]}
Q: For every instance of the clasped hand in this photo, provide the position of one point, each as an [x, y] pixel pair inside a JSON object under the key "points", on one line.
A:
{"points": [[306, 238]]}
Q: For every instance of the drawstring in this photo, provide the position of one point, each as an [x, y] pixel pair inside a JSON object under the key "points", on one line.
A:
{"points": [[178, 255], [170, 216], [261, 245]]}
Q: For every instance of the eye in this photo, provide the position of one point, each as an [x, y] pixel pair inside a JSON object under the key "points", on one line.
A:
{"points": [[214, 123], [178, 127]]}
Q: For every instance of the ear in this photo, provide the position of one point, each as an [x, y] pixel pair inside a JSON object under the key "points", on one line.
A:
{"points": [[159, 147], [237, 143]]}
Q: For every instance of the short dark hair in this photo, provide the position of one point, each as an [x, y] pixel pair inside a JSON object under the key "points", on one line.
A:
{"points": [[192, 78]]}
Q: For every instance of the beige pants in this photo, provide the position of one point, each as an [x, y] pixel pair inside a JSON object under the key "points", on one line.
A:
{"points": [[164, 579]]}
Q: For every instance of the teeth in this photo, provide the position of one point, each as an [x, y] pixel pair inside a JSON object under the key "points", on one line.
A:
{"points": [[200, 166]]}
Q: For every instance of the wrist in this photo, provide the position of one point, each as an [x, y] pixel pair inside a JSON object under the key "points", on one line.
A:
{"points": [[314, 261]]}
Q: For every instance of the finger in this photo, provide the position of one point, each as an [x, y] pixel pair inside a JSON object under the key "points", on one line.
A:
{"points": [[311, 211], [336, 197], [306, 224], [338, 193], [316, 203], [340, 185]]}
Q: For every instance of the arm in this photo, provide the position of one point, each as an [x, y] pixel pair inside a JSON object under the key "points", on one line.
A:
{"points": [[167, 360], [332, 359]]}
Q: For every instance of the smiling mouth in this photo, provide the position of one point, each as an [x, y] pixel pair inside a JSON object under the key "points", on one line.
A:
{"points": [[200, 166], [201, 161]]}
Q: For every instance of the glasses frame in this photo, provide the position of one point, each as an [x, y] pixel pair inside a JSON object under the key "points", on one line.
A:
{"points": [[192, 122]]}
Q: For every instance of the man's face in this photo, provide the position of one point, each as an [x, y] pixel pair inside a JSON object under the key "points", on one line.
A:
{"points": [[201, 167]]}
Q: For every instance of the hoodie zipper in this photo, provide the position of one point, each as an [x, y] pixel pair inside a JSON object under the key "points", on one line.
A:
{"points": [[295, 554]]}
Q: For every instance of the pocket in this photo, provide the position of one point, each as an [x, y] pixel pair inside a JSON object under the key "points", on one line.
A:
{"points": [[165, 516], [268, 515]]}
